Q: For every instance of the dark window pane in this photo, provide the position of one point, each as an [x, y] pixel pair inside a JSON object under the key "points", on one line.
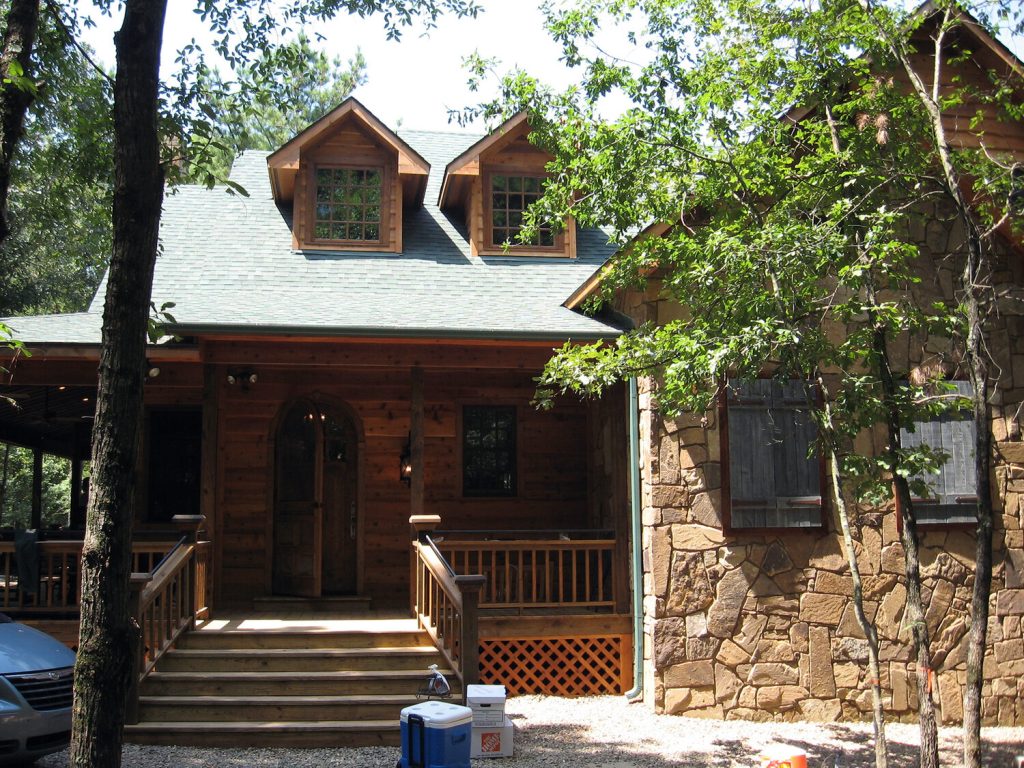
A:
{"points": [[175, 464], [349, 197], [489, 450], [296, 451], [510, 196]]}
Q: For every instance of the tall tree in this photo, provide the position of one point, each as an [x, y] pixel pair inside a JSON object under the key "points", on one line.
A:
{"points": [[784, 229], [102, 671], [61, 184], [17, 88]]}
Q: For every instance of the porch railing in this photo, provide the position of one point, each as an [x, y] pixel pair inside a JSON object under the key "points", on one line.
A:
{"points": [[445, 604], [167, 601], [458, 576], [536, 569], [59, 567]]}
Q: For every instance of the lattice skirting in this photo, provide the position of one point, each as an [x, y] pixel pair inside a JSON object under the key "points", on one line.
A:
{"points": [[558, 666]]}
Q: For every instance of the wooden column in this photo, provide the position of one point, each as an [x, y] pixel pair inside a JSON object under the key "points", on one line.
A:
{"points": [[76, 518], [37, 488], [470, 587], [416, 440], [137, 583], [418, 524], [212, 377]]}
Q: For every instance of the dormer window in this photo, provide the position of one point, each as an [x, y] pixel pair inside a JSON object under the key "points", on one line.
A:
{"points": [[347, 179], [493, 183], [349, 204], [510, 197]]}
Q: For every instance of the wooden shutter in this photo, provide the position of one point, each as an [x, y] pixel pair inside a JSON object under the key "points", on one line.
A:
{"points": [[772, 481], [952, 492]]}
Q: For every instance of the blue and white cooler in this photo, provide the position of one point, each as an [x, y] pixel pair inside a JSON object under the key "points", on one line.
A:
{"points": [[436, 734]]}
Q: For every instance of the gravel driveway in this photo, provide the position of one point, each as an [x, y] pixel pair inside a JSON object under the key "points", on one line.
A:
{"points": [[608, 732]]}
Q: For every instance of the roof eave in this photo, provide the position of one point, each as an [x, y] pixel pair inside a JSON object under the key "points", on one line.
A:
{"points": [[378, 332]]}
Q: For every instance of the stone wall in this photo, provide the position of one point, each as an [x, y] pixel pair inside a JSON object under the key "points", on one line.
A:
{"points": [[761, 626]]}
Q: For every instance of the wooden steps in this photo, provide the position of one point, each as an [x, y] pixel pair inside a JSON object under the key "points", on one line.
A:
{"points": [[313, 686]]}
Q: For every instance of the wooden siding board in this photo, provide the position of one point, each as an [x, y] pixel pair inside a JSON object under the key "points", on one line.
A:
{"points": [[552, 462]]}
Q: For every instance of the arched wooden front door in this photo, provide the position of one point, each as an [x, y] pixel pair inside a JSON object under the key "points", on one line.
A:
{"points": [[315, 501]]}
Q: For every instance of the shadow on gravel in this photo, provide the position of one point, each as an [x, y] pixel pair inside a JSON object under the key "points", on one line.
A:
{"points": [[559, 745]]}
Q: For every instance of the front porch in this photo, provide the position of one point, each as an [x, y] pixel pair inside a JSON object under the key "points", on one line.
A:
{"points": [[305, 460], [541, 616]]}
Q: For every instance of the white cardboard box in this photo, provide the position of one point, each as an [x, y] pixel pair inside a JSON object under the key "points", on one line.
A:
{"points": [[492, 741], [487, 703]]}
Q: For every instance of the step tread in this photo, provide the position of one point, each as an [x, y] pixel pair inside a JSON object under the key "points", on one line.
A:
{"points": [[266, 725], [292, 676], [256, 700], [396, 650]]}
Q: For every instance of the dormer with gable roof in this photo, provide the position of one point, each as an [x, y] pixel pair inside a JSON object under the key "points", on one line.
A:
{"points": [[348, 178], [492, 183]]}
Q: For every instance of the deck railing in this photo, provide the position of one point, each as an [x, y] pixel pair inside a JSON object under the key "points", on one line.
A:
{"points": [[167, 601], [536, 569], [444, 604], [59, 585]]}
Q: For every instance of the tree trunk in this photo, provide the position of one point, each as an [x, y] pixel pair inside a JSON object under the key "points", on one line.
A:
{"points": [[869, 630], [3, 479], [106, 633], [978, 365], [18, 40], [929, 95], [914, 611]]}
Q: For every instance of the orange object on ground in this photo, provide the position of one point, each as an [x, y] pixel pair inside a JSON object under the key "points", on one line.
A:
{"points": [[781, 756]]}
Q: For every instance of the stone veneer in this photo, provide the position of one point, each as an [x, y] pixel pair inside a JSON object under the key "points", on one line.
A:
{"points": [[760, 626]]}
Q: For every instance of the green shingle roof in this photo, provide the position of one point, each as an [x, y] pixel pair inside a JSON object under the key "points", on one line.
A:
{"points": [[228, 265]]}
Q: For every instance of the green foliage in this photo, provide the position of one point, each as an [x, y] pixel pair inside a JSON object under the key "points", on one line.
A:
{"points": [[792, 174], [60, 194], [287, 89], [16, 488]]}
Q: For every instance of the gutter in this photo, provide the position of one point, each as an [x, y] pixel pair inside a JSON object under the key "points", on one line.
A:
{"points": [[377, 332], [636, 532]]}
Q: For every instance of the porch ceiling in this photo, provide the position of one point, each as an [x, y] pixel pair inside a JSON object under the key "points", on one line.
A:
{"points": [[47, 417]]}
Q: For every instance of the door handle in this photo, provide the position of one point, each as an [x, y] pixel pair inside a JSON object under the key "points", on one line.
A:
{"points": [[352, 521]]}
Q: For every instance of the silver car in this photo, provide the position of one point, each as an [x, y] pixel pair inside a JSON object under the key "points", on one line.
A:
{"points": [[36, 674]]}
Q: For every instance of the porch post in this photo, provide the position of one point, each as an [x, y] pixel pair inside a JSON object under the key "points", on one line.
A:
{"points": [[37, 488], [469, 643], [418, 524], [136, 584], [76, 516], [416, 440]]}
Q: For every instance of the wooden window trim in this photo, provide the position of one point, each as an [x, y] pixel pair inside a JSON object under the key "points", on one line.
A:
{"points": [[726, 472], [490, 248], [516, 492], [934, 525], [311, 241]]}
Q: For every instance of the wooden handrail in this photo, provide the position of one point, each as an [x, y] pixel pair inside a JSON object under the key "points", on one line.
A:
{"points": [[445, 605], [165, 603]]}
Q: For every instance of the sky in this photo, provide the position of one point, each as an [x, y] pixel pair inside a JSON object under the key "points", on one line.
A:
{"points": [[412, 82]]}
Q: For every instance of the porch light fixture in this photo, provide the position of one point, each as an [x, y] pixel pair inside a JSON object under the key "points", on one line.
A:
{"points": [[243, 378], [405, 464]]}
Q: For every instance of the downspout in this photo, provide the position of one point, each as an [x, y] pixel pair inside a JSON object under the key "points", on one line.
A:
{"points": [[636, 536]]}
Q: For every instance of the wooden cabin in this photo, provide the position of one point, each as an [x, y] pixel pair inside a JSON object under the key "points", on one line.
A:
{"points": [[354, 345]]}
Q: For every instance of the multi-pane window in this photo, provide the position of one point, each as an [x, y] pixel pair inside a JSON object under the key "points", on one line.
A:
{"points": [[774, 479], [348, 204], [510, 196], [489, 450], [952, 493]]}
